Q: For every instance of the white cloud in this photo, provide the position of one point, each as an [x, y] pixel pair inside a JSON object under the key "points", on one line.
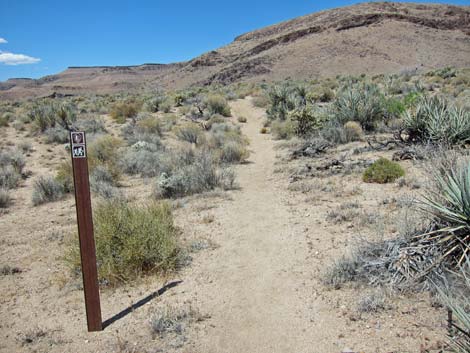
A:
{"points": [[16, 59], [3, 40]]}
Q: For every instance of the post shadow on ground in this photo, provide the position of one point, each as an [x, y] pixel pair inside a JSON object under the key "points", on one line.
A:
{"points": [[140, 303]]}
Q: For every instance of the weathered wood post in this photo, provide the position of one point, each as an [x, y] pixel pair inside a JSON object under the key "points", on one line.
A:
{"points": [[85, 230]]}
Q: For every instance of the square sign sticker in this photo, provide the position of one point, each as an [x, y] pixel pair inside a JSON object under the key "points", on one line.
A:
{"points": [[78, 144]]}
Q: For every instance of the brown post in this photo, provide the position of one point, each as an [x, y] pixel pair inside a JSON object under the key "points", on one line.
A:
{"points": [[85, 230]]}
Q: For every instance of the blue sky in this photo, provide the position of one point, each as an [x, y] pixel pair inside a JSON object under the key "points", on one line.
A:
{"points": [[42, 37]]}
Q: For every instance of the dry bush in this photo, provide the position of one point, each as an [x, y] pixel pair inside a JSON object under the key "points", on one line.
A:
{"points": [[47, 189], [122, 111], [130, 241]]}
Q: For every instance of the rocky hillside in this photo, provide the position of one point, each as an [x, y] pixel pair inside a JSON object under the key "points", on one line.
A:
{"points": [[366, 38]]}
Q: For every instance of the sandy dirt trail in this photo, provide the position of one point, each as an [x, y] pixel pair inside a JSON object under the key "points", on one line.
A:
{"points": [[255, 279]]}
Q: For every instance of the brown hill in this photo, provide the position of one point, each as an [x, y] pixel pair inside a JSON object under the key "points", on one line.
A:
{"points": [[366, 38]]}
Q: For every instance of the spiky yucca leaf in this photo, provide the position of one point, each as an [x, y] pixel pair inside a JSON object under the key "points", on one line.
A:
{"points": [[450, 208]]}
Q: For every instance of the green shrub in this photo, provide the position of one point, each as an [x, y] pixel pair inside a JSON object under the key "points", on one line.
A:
{"points": [[217, 104], [131, 241], [362, 103], [47, 189], [306, 120], [383, 171], [437, 120], [123, 110]]}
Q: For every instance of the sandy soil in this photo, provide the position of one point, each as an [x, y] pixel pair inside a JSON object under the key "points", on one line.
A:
{"points": [[256, 287]]}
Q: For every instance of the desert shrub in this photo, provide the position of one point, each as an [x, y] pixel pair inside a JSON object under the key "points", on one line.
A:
{"points": [[283, 130], [191, 133], [342, 271], [91, 125], [263, 130], [4, 121], [131, 241], [444, 73], [362, 103], [217, 104], [260, 101], [282, 99], [233, 152], [103, 160], [56, 134], [5, 199], [64, 176], [437, 120], [383, 171], [372, 302], [46, 114], [306, 120], [46, 189], [321, 94], [123, 110], [353, 131], [166, 106], [154, 104], [144, 159], [169, 320], [191, 173], [11, 168], [105, 151], [242, 119], [105, 190], [149, 125]]}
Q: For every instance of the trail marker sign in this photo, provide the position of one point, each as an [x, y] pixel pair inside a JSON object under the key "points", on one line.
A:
{"points": [[85, 230]]}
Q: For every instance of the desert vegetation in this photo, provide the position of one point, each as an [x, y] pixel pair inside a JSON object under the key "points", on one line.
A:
{"points": [[380, 161], [354, 131]]}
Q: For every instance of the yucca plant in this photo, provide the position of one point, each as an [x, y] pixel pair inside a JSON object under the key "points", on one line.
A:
{"points": [[362, 103], [459, 304], [449, 207], [435, 119]]}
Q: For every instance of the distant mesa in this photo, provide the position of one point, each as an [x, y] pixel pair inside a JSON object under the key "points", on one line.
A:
{"points": [[373, 38]]}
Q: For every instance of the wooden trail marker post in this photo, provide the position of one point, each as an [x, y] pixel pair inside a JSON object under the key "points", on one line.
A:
{"points": [[85, 230]]}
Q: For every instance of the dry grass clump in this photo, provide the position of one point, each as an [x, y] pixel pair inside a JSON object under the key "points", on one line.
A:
{"points": [[170, 320], [47, 189], [383, 171], [131, 241]]}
